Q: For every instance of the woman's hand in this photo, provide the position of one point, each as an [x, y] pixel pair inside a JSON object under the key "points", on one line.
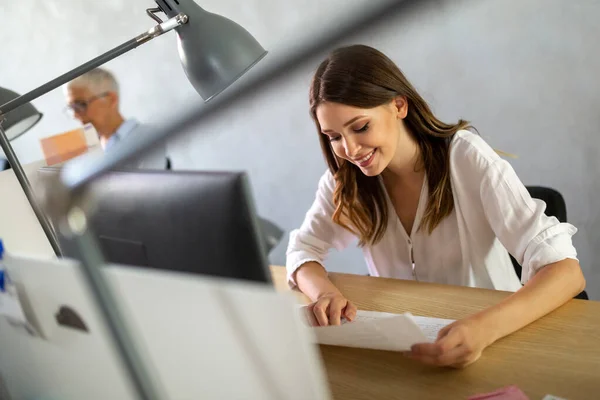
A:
{"points": [[329, 309], [458, 345]]}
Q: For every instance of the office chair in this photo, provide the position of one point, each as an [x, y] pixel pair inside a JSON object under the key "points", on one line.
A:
{"points": [[555, 206], [272, 233]]}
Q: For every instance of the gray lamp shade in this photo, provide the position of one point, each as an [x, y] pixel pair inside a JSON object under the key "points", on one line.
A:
{"points": [[19, 120], [214, 50]]}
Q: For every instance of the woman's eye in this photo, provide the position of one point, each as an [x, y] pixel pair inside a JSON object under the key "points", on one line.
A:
{"points": [[364, 128], [334, 139]]}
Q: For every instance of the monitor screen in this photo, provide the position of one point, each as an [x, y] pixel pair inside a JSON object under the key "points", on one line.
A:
{"points": [[188, 221]]}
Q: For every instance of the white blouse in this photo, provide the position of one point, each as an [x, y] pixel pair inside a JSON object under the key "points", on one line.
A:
{"points": [[493, 212]]}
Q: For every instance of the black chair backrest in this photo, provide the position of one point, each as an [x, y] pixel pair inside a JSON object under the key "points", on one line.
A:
{"points": [[555, 203], [555, 207]]}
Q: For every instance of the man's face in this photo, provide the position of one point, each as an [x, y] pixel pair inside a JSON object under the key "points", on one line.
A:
{"points": [[89, 107]]}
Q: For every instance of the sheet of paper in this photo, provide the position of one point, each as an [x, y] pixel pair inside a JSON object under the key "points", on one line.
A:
{"points": [[381, 331], [431, 326]]}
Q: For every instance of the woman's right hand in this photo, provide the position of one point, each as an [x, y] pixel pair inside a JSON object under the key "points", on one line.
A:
{"points": [[329, 309]]}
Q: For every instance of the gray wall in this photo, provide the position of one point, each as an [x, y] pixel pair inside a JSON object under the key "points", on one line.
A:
{"points": [[523, 71]]}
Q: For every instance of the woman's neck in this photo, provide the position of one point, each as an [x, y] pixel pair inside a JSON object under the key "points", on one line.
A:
{"points": [[407, 164]]}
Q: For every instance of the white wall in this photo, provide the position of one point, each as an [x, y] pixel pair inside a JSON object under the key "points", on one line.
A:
{"points": [[523, 71]]}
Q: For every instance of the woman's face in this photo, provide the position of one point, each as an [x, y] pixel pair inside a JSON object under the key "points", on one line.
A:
{"points": [[367, 138]]}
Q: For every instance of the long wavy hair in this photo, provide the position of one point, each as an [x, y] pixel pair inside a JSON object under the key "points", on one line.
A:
{"points": [[363, 77]]}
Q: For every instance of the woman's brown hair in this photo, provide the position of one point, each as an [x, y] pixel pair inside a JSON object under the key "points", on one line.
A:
{"points": [[363, 77]]}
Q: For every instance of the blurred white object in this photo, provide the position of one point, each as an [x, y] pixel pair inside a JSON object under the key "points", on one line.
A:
{"points": [[20, 229], [91, 136], [202, 338]]}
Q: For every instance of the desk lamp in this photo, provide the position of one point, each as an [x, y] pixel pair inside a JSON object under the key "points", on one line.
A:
{"points": [[214, 52]]}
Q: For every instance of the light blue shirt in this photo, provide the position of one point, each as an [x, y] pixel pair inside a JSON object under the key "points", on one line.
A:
{"points": [[122, 131], [157, 159]]}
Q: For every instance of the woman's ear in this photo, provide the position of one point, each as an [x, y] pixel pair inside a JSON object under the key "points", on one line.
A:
{"points": [[401, 106]]}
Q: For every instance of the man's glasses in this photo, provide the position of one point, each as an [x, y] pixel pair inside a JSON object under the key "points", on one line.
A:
{"points": [[81, 106]]}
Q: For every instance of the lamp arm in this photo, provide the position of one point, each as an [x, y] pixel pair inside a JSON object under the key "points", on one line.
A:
{"points": [[131, 44]]}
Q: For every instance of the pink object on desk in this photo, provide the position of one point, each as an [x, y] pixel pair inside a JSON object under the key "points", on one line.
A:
{"points": [[508, 393]]}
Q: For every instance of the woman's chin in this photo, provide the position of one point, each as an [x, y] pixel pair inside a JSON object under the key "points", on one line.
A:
{"points": [[372, 170]]}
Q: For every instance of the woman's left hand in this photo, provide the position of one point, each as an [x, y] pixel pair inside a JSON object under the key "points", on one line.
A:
{"points": [[458, 345]]}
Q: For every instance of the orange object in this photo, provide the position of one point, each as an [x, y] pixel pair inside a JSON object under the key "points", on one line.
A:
{"points": [[65, 146]]}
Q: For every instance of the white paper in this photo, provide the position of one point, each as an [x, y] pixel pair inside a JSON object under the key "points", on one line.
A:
{"points": [[431, 326], [382, 331]]}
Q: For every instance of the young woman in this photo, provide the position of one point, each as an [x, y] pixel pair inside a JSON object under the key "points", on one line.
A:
{"points": [[428, 201]]}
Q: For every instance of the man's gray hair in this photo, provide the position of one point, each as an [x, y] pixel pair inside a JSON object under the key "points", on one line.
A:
{"points": [[98, 81]]}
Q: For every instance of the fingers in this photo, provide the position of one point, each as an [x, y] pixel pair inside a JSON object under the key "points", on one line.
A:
{"points": [[320, 311], [340, 307], [451, 349], [336, 307], [330, 310], [350, 311], [444, 331], [440, 352], [453, 357], [449, 338], [458, 357], [425, 349], [310, 316]]}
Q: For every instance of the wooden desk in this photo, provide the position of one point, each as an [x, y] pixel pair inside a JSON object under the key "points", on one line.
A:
{"points": [[558, 354]]}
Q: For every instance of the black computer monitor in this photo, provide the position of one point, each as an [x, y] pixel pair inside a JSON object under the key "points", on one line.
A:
{"points": [[195, 222]]}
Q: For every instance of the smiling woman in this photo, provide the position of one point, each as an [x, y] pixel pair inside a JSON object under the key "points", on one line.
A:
{"points": [[428, 201], [342, 111]]}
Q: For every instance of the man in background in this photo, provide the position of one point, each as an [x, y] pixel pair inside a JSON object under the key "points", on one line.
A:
{"points": [[94, 98]]}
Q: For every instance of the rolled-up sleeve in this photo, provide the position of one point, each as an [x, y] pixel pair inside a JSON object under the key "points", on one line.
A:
{"points": [[318, 234], [519, 221]]}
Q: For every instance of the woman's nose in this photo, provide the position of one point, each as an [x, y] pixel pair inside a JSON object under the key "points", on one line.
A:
{"points": [[352, 148]]}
